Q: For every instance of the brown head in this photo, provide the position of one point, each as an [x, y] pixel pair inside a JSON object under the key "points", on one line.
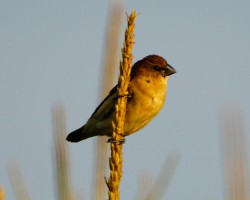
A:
{"points": [[153, 66]]}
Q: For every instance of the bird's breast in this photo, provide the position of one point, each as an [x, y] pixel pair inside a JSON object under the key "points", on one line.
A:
{"points": [[145, 104]]}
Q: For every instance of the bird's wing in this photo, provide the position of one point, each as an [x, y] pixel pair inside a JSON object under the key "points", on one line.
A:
{"points": [[106, 107]]}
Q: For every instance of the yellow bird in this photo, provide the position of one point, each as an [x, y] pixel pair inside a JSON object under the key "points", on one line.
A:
{"points": [[147, 92]]}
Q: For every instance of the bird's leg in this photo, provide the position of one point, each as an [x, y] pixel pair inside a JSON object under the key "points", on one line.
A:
{"points": [[128, 95], [122, 141], [107, 183], [111, 140], [123, 134]]}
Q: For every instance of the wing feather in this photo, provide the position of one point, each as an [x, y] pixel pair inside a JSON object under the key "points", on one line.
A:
{"points": [[106, 107]]}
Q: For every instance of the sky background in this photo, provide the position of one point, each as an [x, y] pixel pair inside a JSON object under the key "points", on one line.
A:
{"points": [[53, 51]]}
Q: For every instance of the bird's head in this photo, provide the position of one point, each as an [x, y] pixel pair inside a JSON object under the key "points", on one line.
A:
{"points": [[152, 66]]}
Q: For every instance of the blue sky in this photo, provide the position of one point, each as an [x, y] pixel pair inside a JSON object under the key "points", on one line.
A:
{"points": [[52, 52]]}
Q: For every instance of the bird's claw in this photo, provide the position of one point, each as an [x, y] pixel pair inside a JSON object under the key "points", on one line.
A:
{"points": [[123, 134], [128, 95], [112, 140]]}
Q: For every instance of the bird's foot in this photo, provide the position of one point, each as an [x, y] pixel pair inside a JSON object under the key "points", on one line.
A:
{"points": [[106, 181], [123, 134], [129, 94], [111, 140]]}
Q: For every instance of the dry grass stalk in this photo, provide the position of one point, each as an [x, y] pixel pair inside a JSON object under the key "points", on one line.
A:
{"points": [[62, 156], [164, 179], [111, 59], [145, 185], [2, 194], [234, 155], [17, 181], [116, 160]]}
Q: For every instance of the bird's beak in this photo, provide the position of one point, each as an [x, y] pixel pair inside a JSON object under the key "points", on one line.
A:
{"points": [[168, 71]]}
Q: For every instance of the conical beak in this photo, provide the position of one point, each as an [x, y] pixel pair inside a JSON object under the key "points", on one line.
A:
{"points": [[168, 71]]}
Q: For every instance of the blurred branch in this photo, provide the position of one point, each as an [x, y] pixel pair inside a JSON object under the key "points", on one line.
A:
{"points": [[234, 155], [2, 194], [62, 156], [145, 185], [164, 178], [17, 181], [111, 60]]}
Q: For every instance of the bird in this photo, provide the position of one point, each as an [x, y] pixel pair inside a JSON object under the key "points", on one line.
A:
{"points": [[146, 96]]}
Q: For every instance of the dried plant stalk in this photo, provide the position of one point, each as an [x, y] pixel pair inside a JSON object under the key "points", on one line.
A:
{"points": [[18, 183], [234, 154], [164, 179], [145, 185], [116, 159], [110, 61], [2, 194], [62, 155]]}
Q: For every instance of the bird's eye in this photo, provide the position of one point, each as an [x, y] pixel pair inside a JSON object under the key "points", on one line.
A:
{"points": [[157, 68]]}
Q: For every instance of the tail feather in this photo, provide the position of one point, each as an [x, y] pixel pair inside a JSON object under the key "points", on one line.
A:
{"points": [[77, 135]]}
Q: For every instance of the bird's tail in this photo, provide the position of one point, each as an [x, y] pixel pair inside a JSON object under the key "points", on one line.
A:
{"points": [[78, 135]]}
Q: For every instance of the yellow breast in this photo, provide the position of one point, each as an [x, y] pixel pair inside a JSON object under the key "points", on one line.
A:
{"points": [[148, 97]]}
